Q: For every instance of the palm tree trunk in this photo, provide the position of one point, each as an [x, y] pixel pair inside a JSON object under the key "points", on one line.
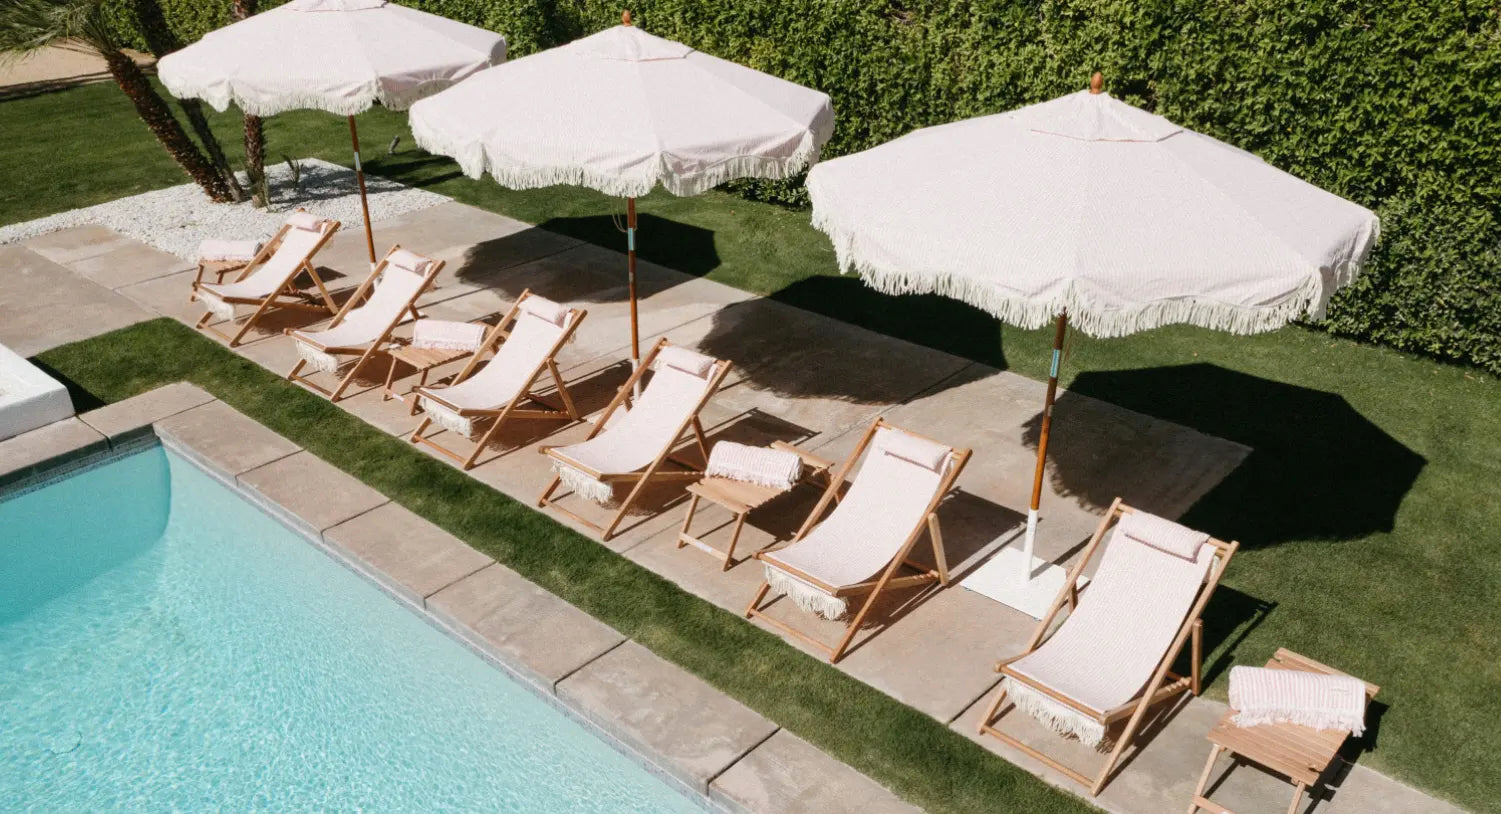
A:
{"points": [[255, 134], [157, 116], [255, 160]]}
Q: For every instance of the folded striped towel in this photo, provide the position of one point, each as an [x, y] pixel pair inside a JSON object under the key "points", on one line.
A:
{"points": [[772, 468], [447, 335], [305, 220], [1260, 695], [222, 250]]}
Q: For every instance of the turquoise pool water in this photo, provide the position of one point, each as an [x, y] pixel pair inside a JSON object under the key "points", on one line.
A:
{"points": [[166, 646]]}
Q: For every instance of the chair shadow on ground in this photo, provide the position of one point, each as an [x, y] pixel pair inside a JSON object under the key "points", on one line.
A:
{"points": [[798, 355], [498, 263], [1317, 469], [972, 529]]}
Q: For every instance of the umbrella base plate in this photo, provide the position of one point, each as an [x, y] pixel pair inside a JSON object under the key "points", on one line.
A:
{"points": [[1009, 579]]}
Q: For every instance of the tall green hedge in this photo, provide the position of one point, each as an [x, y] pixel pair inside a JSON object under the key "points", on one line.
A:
{"points": [[1395, 104]]}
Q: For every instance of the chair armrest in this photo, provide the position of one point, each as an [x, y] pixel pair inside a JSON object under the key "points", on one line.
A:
{"points": [[810, 460]]}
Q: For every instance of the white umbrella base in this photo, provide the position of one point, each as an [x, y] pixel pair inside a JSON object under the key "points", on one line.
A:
{"points": [[1010, 580]]}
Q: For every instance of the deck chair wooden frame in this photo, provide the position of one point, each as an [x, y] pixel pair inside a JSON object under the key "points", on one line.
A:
{"points": [[888, 578], [1163, 685], [288, 296], [364, 354], [654, 472], [513, 408]]}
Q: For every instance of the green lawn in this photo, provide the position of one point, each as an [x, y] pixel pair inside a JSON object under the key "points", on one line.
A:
{"points": [[1370, 510]]}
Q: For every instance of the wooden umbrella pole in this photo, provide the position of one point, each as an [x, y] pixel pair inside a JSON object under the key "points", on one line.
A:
{"points": [[1042, 438], [359, 175], [630, 262]]}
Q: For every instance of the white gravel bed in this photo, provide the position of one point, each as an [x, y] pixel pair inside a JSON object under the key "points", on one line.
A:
{"points": [[178, 218]]}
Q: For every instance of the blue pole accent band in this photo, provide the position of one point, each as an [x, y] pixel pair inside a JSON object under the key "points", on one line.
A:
{"points": [[357, 167], [630, 237], [1053, 373]]}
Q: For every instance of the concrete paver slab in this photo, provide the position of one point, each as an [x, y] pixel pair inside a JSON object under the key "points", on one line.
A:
{"points": [[43, 304], [129, 263], [310, 492], [786, 773], [69, 245], [22, 456], [528, 629], [691, 730], [410, 556], [134, 416], [224, 440]]}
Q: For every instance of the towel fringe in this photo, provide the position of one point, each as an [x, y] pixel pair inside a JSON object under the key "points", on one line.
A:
{"points": [[583, 485], [446, 418], [317, 359], [219, 308], [1060, 718], [805, 596], [1313, 719]]}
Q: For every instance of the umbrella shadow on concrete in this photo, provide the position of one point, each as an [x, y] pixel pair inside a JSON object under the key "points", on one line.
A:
{"points": [[803, 356], [677, 246], [1317, 469]]}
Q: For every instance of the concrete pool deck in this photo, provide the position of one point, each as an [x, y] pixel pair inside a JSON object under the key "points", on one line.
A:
{"points": [[817, 382], [700, 739]]}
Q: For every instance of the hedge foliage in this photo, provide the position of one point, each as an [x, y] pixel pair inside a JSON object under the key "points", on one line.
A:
{"points": [[1395, 104]]}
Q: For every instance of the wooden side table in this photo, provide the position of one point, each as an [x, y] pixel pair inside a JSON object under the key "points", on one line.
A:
{"points": [[1300, 753], [424, 360], [741, 498]]}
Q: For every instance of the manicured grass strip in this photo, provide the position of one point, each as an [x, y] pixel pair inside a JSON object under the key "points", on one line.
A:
{"points": [[909, 752]]}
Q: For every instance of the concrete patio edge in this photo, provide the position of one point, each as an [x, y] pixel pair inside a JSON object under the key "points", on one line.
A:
{"points": [[596, 676]]}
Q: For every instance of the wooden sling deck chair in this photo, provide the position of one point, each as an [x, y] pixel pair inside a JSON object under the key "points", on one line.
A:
{"points": [[362, 330], [637, 446], [268, 281], [1111, 657], [534, 331], [867, 540]]}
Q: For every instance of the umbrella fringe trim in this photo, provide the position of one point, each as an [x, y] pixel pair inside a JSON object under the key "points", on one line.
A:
{"points": [[475, 161], [272, 104], [1310, 300]]}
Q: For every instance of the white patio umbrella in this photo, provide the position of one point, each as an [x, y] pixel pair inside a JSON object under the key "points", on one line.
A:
{"points": [[1087, 209], [341, 56], [622, 111]]}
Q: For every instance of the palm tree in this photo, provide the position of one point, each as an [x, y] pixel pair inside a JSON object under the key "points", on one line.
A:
{"points": [[161, 40], [27, 25], [255, 135]]}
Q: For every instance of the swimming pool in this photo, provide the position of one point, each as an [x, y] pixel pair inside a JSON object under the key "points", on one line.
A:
{"points": [[165, 645]]}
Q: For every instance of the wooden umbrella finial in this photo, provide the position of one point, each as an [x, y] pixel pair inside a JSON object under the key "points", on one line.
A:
{"points": [[625, 17], [1097, 83]]}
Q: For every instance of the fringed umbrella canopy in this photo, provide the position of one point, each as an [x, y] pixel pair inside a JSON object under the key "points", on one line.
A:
{"points": [[1087, 204], [341, 56], [1089, 210], [622, 111]]}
